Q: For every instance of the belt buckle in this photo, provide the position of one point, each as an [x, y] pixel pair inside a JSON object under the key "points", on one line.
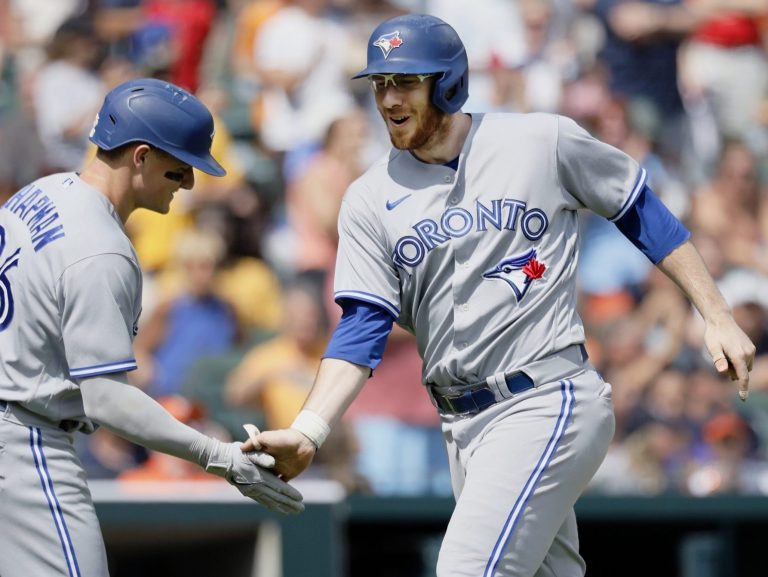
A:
{"points": [[462, 403], [445, 402], [455, 408]]}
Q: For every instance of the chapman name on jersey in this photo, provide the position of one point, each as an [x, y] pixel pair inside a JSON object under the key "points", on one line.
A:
{"points": [[36, 210]]}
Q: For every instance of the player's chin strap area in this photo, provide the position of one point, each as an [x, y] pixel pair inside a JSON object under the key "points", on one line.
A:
{"points": [[473, 398]]}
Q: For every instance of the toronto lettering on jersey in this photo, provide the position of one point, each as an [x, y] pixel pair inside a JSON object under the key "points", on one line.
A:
{"points": [[502, 214], [38, 212]]}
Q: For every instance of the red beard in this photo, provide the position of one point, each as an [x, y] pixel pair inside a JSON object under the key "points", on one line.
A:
{"points": [[431, 127]]}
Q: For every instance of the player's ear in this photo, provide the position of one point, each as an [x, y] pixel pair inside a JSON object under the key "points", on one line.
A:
{"points": [[140, 154]]}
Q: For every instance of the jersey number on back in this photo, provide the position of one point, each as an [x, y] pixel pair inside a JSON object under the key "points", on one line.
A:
{"points": [[7, 262]]}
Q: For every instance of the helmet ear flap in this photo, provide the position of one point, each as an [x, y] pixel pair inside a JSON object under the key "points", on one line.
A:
{"points": [[451, 91]]}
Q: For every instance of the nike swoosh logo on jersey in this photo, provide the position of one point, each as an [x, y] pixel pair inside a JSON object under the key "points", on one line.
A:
{"points": [[393, 203]]}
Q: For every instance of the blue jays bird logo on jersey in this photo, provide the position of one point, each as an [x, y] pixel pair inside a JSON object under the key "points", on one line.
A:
{"points": [[388, 42], [518, 272], [6, 297]]}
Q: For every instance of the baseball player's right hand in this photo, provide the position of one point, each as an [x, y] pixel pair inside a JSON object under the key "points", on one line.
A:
{"points": [[293, 452], [227, 460]]}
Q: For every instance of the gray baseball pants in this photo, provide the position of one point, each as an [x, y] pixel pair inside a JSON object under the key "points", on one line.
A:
{"points": [[517, 470], [48, 524]]}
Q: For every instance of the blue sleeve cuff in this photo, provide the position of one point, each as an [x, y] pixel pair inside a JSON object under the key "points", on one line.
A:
{"points": [[651, 227], [361, 335]]}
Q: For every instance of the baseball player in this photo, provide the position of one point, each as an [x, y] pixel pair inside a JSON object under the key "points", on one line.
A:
{"points": [[466, 234], [70, 293]]}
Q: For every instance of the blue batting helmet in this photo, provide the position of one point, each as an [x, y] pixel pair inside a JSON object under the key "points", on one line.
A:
{"points": [[422, 44], [160, 114]]}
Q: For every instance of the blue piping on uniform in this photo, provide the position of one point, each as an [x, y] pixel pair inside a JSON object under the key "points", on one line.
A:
{"points": [[566, 408], [36, 444], [116, 367], [639, 184], [371, 298]]}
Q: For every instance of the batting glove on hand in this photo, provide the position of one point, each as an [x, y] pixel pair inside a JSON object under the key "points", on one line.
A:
{"points": [[244, 471]]}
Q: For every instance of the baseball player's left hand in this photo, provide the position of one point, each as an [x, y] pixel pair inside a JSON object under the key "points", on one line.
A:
{"points": [[732, 352], [229, 461], [293, 452]]}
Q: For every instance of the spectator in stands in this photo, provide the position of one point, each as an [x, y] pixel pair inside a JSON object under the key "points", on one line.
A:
{"points": [[730, 464], [34, 24], [275, 376], [640, 53], [183, 27], [746, 290], [193, 323], [300, 55], [67, 94], [22, 158], [732, 209], [248, 22], [533, 82], [492, 31], [313, 199], [163, 38], [651, 461], [725, 65]]}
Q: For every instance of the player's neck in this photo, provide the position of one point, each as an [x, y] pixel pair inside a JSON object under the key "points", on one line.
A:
{"points": [[114, 184], [446, 143]]}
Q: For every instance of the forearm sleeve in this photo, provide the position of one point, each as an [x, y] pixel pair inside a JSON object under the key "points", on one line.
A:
{"points": [[131, 414]]}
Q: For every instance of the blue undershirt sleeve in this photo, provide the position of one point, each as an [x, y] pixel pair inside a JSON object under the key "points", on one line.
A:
{"points": [[361, 335], [651, 227]]}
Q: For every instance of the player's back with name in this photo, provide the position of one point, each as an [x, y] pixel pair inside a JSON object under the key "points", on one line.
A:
{"points": [[75, 224], [63, 220]]}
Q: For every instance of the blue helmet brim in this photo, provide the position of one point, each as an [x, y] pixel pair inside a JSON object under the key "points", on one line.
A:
{"points": [[208, 164]]}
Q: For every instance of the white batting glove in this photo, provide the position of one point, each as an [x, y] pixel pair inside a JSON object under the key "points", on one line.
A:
{"points": [[251, 479]]}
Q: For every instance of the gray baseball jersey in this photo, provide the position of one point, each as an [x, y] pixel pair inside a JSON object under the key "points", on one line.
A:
{"points": [[489, 248], [70, 292], [71, 295], [479, 262]]}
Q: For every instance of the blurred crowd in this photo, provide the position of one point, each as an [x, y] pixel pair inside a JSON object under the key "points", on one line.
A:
{"points": [[238, 300]]}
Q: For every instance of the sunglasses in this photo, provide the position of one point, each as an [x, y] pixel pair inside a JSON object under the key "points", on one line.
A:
{"points": [[405, 81]]}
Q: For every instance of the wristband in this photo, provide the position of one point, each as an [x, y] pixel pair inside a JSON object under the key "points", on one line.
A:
{"points": [[312, 426]]}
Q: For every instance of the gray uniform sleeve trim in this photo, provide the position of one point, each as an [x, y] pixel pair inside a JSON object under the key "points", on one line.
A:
{"points": [[104, 369], [642, 177], [369, 298]]}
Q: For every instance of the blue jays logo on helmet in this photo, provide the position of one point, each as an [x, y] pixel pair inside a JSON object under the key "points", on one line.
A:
{"points": [[6, 297], [518, 272], [388, 42]]}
